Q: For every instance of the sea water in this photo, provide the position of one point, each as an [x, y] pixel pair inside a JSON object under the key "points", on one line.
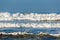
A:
{"points": [[30, 30], [27, 21]]}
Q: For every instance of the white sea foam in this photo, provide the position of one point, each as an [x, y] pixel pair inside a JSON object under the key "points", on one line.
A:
{"points": [[30, 25], [14, 33], [5, 16], [22, 33], [28, 16], [56, 35]]}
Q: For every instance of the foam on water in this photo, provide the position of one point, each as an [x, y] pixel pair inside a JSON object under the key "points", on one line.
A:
{"points": [[28, 16], [29, 23], [22, 33], [34, 18]]}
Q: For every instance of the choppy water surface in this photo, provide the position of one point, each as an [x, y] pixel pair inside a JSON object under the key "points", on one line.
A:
{"points": [[28, 39], [30, 30], [30, 23]]}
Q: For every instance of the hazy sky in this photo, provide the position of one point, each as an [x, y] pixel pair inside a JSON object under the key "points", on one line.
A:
{"points": [[29, 5]]}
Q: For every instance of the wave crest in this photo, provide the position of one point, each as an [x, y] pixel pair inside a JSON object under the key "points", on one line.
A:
{"points": [[28, 16], [31, 34], [30, 25]]}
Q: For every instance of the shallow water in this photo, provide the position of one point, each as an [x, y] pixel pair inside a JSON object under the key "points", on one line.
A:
{"points": [[35, 38], [31, 30]]}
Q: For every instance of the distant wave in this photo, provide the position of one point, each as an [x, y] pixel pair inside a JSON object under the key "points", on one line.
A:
{"points": [[5, 16]]}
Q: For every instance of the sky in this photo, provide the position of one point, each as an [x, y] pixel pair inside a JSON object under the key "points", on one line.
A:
{"points": [[30, 6]]}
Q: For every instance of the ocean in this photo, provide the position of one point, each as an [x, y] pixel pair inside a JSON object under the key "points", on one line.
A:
{"points": [[32, 26], [29, 19]]}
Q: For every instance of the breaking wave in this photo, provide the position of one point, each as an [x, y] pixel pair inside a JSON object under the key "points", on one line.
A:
{"points": [[34, 20], [30, 25], [31, 34], [5, 16]]}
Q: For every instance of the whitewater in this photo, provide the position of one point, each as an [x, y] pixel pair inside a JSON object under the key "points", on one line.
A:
{"points": [[29, 23], [5, 16], [34, 20]]}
